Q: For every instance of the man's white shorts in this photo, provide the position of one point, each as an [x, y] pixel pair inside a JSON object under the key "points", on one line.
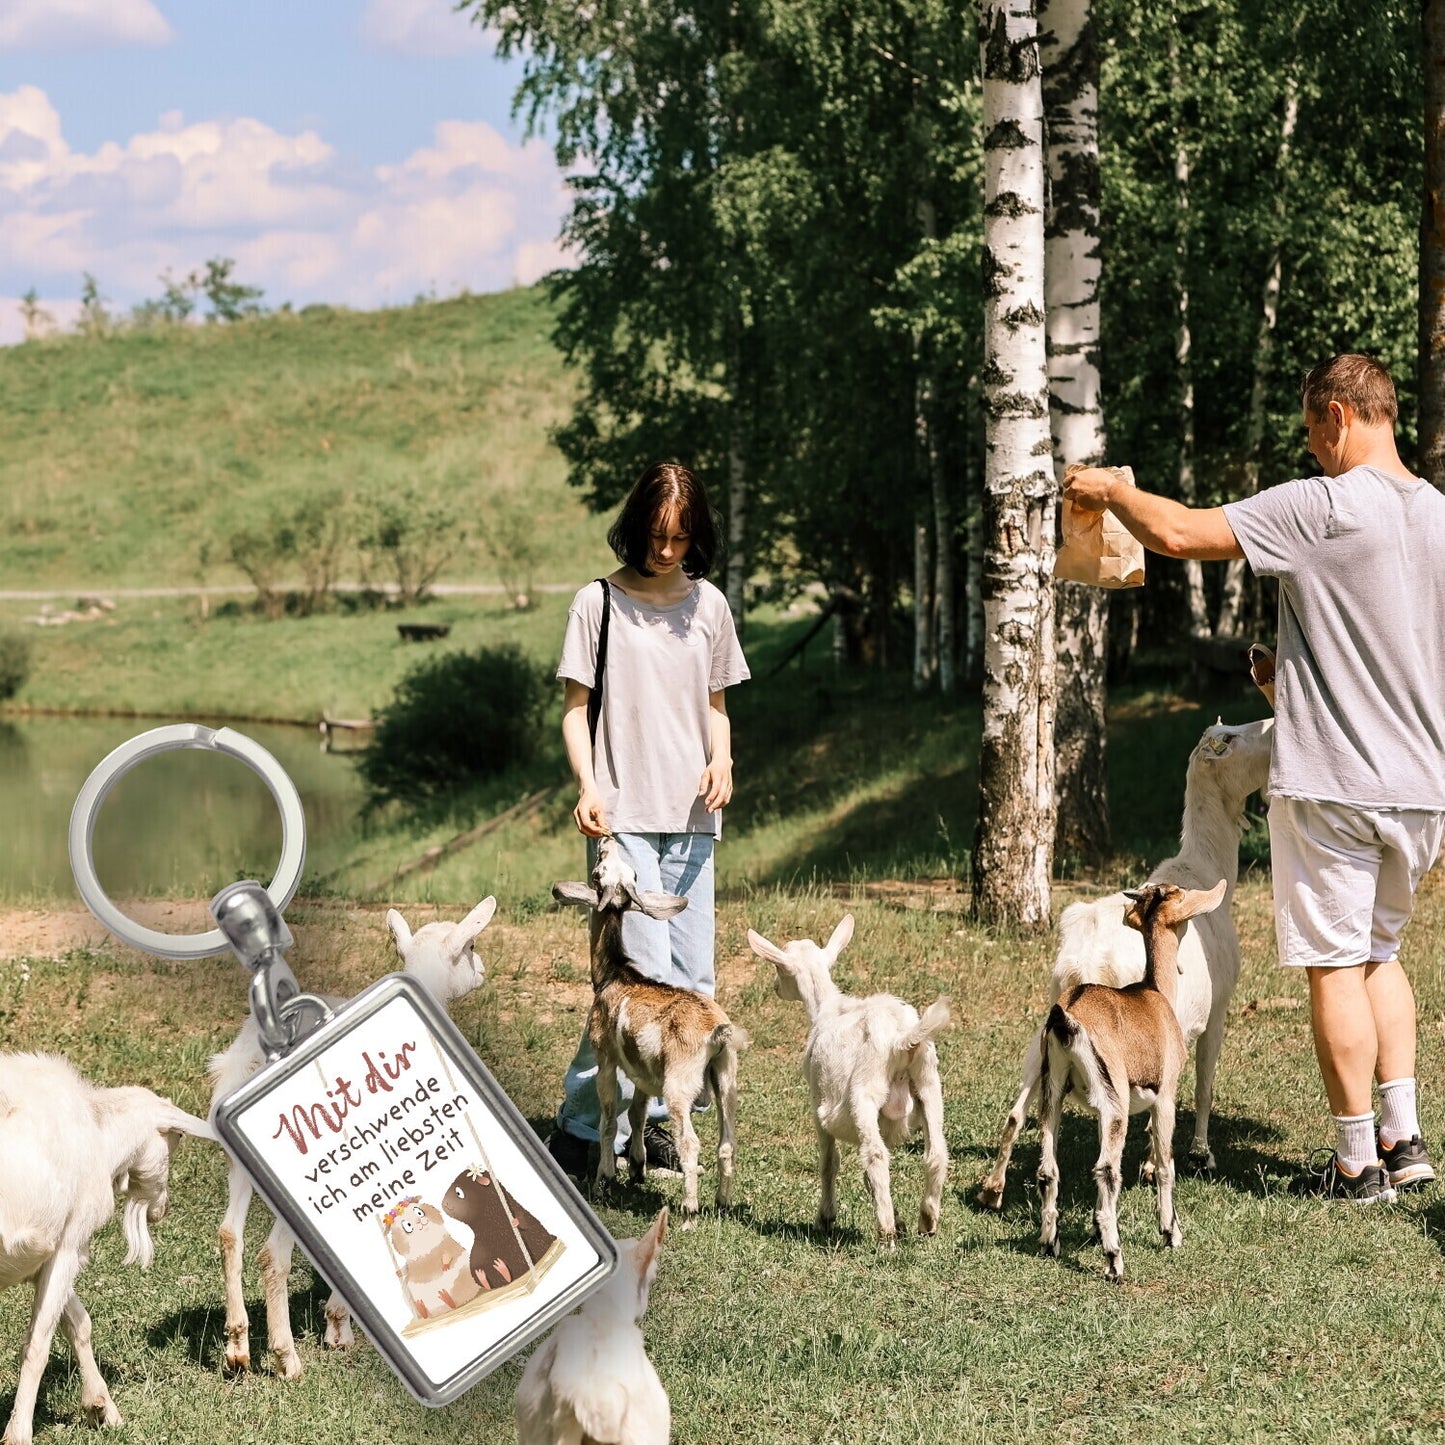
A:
{"points": [[1345, 878]]}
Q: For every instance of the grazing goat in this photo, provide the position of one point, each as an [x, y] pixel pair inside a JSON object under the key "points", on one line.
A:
{"points": [[872, 1069], [591, 1379], [1226, 766], [669, 1041], [69, 1147], [440, 957], [1119, 1051]]}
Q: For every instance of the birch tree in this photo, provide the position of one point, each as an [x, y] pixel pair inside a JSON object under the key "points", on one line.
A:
{"points": [[1432, 249], [1070, 60], [1013, 844]]}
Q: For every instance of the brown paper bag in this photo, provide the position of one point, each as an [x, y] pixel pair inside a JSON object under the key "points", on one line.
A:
{"points": [[1097, 548]]}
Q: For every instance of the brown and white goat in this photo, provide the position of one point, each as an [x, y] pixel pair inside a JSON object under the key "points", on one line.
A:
{"points": [[671, 1042], [1120, 1051]]}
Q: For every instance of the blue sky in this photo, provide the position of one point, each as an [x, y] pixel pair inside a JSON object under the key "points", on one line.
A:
{"points": [[353, 151]]}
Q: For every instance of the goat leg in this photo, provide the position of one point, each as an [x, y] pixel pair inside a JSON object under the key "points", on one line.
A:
{"points": [[1113, 1128], [935, 1149], [990, 1193], [1163, 1115], [637, 1142], [338, 1323], [1206, 1060], [275, 1261], [52, 1291], [607, 1122], [724, 1077], [1051, 1108], [233, 1234], [828, 1160], [94, 1397], [689, 1148], [876, 1175]]}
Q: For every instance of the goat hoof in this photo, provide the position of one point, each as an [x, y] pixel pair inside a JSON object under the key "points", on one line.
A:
{"points": [[927, 1225], [1146, 1172], [288, 1365], [1114, 1270], [338, 1332], [103, 1412], [990, 1196], [887, 1243], [1201, 1161], [1173, 1236], [1049, 1249]]}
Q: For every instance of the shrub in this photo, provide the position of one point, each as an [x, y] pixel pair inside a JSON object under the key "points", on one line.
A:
{"points": [[456, 719], [14, 663]]}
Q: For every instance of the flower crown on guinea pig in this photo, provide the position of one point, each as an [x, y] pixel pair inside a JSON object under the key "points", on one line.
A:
{"points": [[396, 1210]]}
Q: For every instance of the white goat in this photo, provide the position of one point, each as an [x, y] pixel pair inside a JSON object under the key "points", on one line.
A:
{"points": [[69, 1147], [591, 1379], [872, 1069], [1120, 1051], [440, 957], [1095, 946], [670, 1041]]}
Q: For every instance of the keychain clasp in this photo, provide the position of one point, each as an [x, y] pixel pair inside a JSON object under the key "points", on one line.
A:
{"points": [[257, 933]]}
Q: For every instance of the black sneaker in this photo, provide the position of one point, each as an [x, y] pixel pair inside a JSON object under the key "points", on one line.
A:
{"points": [[570, 1152], [1407, 1163], [661, 1151], [1370, 1186]]}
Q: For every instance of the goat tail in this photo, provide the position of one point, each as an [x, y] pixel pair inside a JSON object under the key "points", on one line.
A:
{"points": [[1086, 1064], [936, 1017], [1062, 1026], [731, 1035], [139, 1248]]}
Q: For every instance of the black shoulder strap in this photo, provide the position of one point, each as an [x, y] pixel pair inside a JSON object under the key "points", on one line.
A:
{"points": [[594, 699]]}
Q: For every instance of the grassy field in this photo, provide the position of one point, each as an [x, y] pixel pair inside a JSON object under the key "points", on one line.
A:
{"points": [[1280, 1319], [124, 457]]}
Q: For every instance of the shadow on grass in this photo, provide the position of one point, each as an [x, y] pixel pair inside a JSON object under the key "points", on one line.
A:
{"points": [[1239, 1165], [201, 1329]]}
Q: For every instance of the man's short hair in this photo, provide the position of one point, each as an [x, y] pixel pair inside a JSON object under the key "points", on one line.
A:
{"points": [[1358, 380]]}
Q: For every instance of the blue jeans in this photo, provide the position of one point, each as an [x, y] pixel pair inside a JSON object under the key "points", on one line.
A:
{"points": [[677, 950]]}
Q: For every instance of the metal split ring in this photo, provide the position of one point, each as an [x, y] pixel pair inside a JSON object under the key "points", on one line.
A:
{"points": [[173, 738]]}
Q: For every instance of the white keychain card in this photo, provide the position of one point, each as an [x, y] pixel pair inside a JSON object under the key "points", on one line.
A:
{"points": [[407, 1175], [416, 1188]]}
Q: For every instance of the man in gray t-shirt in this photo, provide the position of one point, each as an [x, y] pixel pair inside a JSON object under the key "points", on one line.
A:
{"points": [[1357, 781]]}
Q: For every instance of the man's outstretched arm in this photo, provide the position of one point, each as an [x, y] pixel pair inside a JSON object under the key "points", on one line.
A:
{"points": [[1162, 525]]}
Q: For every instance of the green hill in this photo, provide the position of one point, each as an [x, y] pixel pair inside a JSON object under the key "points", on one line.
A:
{"points": [[124, 457]]}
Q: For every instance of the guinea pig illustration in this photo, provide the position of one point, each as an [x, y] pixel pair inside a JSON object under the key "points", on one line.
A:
{"points": [[434, 1265], [496, 1220]]}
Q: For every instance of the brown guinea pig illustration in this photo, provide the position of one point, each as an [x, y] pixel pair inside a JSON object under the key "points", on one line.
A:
{"points": [[434, 1265], [495, 1219]]}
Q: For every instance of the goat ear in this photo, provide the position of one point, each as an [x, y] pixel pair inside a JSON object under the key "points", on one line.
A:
{"points": [[578, 895], [764, 949], [657, 905], [1208, 902], [645, 1254], [470, 926], [400, 930], [840, 938]]}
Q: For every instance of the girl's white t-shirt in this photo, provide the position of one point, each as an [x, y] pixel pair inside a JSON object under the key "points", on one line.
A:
{"points": [[654, 736]]}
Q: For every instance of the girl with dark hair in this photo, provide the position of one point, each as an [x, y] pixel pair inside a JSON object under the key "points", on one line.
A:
{"points": [[652, 757]]}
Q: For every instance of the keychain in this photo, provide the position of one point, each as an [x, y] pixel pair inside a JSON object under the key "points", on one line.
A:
{"points": [[408, 1177]]}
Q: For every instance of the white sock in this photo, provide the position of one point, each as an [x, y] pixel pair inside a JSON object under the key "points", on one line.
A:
{"points": [[1355, 1141], [1398, 1119]]}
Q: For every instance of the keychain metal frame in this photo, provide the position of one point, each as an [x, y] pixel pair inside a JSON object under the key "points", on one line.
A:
{"points": [[314, 1243]]}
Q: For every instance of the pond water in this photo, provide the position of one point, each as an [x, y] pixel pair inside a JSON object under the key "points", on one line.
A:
{"points": [[182, 825]]}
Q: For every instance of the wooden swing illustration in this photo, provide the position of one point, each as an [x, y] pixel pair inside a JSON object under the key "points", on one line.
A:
{"points": [[476, 1198]]}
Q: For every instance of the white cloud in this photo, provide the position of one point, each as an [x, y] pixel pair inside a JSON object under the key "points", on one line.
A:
{"points": [[422, 28], [65, 25], [470, 211]]}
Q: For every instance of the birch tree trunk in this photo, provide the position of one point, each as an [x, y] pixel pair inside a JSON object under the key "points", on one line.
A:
{"points": [[1013, 845], [1184, 366], [736, 573], [1069, 55], [1432, 250], [1233, 593]]}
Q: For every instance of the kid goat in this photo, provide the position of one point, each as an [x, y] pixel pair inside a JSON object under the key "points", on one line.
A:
{"points": [[1120, 1051], [669, 1041], [591, 1380], [440, 957], [872, 1071], [69, 1147], [1226, 766]]}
